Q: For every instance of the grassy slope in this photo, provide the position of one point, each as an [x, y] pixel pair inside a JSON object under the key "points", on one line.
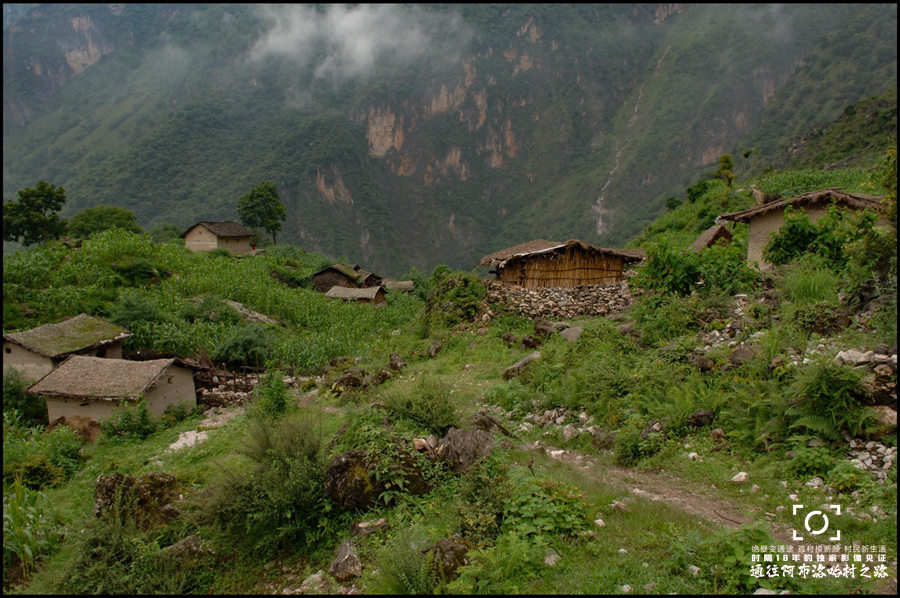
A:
{"points": [[605, 374]]}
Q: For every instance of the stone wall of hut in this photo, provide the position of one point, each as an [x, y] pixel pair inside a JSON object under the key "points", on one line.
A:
{"points": [[562, 302]]}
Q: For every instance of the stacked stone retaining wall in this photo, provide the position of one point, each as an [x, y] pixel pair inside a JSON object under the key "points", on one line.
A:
{"points": [[562, 302]]}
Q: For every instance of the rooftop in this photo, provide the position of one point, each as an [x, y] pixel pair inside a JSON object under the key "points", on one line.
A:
{"points": [[499, 258], [75, 334], [224, 228], [85, 377], [823, 196]]}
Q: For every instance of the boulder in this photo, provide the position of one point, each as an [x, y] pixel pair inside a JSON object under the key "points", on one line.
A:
{"points": [[352, 378], [433, 349], [543, 328], [510, 339], [700, 418], [654, 426], [397, 362], [448, 555], [742, 355], [740, 477], [461, 448], [349, 482], [701, 362], [516, 368], [572, 334], [364, 528], [885, 419], [346, 564], [316, 583], [531, 342], [147, 497]]}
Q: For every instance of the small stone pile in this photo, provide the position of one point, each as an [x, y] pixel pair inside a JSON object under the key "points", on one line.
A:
{"points": [[571, 425], [562, 302], [873, 456], [238, 390]]}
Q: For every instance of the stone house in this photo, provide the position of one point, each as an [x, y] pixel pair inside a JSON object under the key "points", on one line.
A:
{"points": [[767, 218], [342, 275], [550, 264], [92, 387], [34, 353], [206, 236], [374, 295]]}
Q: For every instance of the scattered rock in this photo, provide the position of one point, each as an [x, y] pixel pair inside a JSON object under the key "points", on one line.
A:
{"points": [[569, 432], [510, 339], [694, 570], [516, 368], [701, 418], [815, 482], [551, 558], [572, 334], [346, 565], [349, 482], [626, 589], [449, 554], [462, 448], [741, 477], [693, 456], [742, 355], [316, 583], [148, 496], [364, 528], [718, 434], [531, 342], [599, 522], [433, 349]]}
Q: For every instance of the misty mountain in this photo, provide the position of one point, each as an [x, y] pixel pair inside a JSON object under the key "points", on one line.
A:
{"points": [[404, 136]]}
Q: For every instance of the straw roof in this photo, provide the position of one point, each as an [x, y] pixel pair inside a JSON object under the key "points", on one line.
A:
{"points": [[824, 196], [370, 293], [227, 228], [75, 334], [354, 273], [711, 235], [85, 377], [400, 285], [538, 246]]}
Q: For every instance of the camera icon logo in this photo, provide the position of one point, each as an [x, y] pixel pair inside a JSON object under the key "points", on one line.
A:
{"points": [[813, 518]]}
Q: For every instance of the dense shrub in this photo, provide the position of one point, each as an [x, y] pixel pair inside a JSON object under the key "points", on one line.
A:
{"points": [[40, 459], [271, 394], [280, 501], [32, 409], [428, 404], [630, 447], [134, 307], [825, 399], [454, 297], [131, 421], [247, 344]]}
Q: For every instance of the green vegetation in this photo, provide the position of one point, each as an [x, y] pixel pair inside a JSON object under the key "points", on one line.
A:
{"points": [[262, 208], [100, 218], [33, 217]]}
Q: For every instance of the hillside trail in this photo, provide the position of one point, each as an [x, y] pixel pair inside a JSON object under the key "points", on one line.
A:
{"points": [[692, 497]]}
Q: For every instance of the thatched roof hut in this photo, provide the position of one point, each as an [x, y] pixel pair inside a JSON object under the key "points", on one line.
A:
{"points": [[343, 275], [374, 295], [716, 234], [542, 263]]}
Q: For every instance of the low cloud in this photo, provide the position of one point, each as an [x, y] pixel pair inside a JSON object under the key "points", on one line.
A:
{"points": [[340, 42]]}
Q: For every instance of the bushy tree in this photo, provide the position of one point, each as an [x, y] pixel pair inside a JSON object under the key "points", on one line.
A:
{"points": [[164, 232], [100, 218], [33, 217], [262, 208]]}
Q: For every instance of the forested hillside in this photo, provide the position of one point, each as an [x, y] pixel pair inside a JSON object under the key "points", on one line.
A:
{"points": [[414, 136]]}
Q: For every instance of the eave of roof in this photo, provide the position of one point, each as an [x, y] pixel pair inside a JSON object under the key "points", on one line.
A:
{"points": [[500, 258], [856, 200], [96, 378], [69, 336]]}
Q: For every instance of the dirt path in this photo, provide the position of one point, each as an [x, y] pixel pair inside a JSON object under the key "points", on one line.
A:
{"points": [[692, 497]]}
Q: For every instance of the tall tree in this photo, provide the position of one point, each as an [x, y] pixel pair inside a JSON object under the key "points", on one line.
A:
{"points": [[100, 218], [33, 217], [262, 208]]}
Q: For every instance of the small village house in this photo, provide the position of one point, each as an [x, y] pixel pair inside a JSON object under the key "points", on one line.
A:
{"points": [[717, 234], [206, 236], [767, 218], [34, 353], [342, 275], [544, 264], [398, 285], [92, 387], [375, 295]]}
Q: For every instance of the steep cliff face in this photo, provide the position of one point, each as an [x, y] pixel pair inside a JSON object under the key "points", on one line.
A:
{"points": [[402, 136]]}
